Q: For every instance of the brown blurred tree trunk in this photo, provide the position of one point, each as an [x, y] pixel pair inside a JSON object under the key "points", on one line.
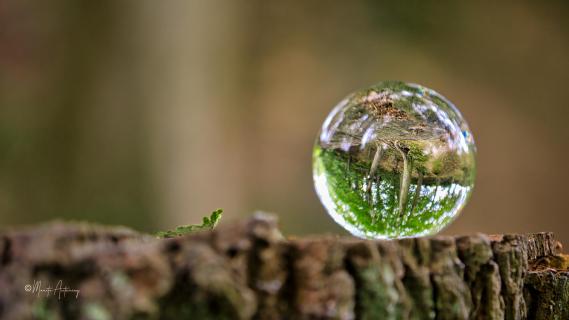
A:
{"points": [[71, 124], [249, 270]]}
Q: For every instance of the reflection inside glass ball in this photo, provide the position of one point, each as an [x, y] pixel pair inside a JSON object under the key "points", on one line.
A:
{"points": [[394, 160]]}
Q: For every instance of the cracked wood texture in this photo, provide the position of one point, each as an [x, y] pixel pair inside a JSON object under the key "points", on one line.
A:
{"points": [[249, 271]]}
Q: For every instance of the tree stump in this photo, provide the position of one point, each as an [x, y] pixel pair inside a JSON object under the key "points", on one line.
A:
{"points": [[248, 270]]}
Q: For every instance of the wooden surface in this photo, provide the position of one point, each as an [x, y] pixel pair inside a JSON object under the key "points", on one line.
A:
{"points": [[248, 270]]}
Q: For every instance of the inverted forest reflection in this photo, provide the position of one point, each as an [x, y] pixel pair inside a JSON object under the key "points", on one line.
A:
{"points": [[394, 160]]}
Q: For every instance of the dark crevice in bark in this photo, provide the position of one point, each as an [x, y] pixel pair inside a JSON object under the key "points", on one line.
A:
{"points": [[288, 292], [532, 307], [434, 297], [6, 255]]}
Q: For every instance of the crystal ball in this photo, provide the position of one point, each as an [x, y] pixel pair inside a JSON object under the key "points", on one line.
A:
{"points": [[394, 160]]}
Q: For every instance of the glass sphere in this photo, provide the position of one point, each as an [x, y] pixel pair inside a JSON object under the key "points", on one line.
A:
{"points": [[395, 160]]}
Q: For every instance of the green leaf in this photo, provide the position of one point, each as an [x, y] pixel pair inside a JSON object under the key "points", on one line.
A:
{"points": [[208, 223]]}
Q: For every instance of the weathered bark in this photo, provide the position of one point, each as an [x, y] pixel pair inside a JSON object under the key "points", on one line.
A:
{"points": [[249, 271]]}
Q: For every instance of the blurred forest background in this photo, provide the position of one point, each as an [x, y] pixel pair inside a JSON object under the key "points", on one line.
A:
{"points": [[153, 113]]}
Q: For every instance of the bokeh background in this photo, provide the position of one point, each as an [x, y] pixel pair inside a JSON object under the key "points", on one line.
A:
{"points": [[153, 113]]}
